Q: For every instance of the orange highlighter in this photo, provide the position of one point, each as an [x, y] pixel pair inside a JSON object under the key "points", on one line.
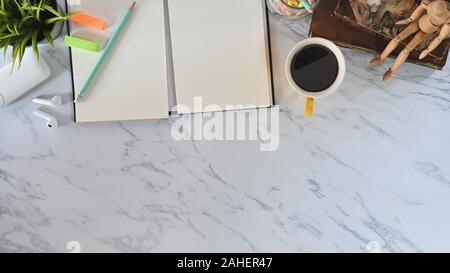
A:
{"points": [[87, 20]]}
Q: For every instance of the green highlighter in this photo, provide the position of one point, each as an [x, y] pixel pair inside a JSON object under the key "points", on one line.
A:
{"points": [[80, 43]]}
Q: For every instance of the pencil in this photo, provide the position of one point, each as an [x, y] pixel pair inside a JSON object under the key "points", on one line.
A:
{"points": [[105, 53]]}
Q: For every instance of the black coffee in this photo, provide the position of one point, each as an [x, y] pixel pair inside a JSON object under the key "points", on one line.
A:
{"points": [[314, 68]]}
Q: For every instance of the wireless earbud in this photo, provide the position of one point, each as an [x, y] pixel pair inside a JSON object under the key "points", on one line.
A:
{"points": [[55, 101], [51, 120]]}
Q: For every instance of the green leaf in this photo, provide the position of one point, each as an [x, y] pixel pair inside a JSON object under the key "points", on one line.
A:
{"points": [[16, 28], [10, 36], [51, 9], [11, 29], [34, 43], [5, 46], [49, 38], [19, 7], [54, 20], [25, 19], [38, 13], [24, 42], [15, 51], [5, 51]]}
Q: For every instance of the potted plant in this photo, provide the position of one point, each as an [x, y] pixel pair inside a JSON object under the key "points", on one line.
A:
{"points": [[26, 23]]}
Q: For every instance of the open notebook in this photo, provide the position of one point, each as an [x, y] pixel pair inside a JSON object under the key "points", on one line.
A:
{"points": [[216, 51]]}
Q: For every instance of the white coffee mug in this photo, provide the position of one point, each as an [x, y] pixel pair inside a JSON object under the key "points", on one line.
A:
{"points": [[311, 96]]}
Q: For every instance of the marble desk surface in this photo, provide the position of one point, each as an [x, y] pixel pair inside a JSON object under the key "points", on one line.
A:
{"points": [[369, 172]]}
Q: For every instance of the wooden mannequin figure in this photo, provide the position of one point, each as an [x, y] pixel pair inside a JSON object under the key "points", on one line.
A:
{"points": [[429, 17]]}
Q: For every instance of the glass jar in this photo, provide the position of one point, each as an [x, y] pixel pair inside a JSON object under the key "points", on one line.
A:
{"points": [[292, 8]]}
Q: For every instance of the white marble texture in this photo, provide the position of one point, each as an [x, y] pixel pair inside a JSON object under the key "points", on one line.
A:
{"points": [[373, 164]]}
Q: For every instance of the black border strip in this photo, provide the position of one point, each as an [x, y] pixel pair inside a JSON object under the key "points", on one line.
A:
{"points": [[71, 65], [269, 38]]}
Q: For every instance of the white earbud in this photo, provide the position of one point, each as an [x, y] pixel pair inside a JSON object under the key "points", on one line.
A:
{"points": [[55, 101], [51, 120]]}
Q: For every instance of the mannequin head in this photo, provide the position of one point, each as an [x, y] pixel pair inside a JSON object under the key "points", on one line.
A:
{"points": [[438, 12]]}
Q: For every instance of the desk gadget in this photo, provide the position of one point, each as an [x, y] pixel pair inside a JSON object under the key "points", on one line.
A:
{"points": [[55, 101], [52, 122]]}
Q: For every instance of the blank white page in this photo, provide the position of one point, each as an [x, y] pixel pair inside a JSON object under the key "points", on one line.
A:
{"points": [[132, 84], [220, 53]]}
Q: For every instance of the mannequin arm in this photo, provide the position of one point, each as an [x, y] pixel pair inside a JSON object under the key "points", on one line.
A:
{"points": [[416, 14], [436, 42]]}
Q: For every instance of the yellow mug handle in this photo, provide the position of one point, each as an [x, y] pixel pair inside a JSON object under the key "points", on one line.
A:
{"points": [[309, 106]]}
